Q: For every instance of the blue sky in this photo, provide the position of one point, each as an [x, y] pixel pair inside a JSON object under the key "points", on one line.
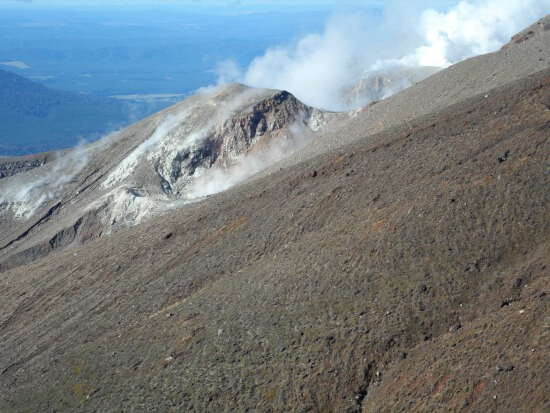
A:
{"points": [[194, 2], [238, 4], [116, 47]]}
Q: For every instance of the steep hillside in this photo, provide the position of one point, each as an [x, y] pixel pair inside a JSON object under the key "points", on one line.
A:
{"points": [[396, 260], [35, 118], [414, 257]]}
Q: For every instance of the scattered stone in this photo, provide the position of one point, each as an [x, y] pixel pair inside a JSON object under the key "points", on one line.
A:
{"points": [[422, 288], [313, 174], [506, 302], [504, 157], [169, 359], [518, 281], [477, 265], [500, 368], [455, 327]]}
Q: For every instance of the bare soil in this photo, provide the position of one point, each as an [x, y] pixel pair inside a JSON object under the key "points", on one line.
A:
{"points": [[406, 270]]}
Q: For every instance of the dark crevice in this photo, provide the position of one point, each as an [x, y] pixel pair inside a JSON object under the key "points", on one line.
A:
{"points": [[165, 185], [364, 388], [82, 189], [50, 212]]}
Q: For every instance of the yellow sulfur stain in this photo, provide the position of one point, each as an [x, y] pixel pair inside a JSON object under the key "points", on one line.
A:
{"points": [[271, 393], [79, 389], [78, 368]]}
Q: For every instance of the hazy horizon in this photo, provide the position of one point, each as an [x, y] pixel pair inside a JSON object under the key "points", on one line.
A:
{"points": [[316, 50]]}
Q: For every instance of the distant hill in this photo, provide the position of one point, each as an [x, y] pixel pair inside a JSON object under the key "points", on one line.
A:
{"points": [[35, 118]]}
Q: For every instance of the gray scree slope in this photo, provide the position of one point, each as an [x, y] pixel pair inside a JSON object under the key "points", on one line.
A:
{"points": [[404, 267]]}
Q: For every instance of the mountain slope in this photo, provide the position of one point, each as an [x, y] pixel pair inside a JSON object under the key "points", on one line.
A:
{"points": [[306, 289], [35, 118], [402, 270], [148, 189]]}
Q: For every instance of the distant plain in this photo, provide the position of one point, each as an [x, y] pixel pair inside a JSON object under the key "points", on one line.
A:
{"points": [[147, 51]]}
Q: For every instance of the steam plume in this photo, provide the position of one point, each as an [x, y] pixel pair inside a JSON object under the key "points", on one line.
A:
{"points": [[218, 179], [23, 196], [321, 68]]}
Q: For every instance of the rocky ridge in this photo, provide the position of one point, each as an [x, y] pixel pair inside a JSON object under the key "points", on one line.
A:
{"points": [[12, 166], [181, 154], [377, 85]]}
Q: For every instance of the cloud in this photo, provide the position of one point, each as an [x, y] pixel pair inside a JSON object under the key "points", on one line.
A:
{"points": [[469, 29], [316, 67], [16, 63], [322, 68]]}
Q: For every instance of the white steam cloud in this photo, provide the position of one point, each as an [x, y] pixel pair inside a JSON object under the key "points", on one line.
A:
{"points": [[322, 69], [218, 178], [25, 193], [129, 164], [469, 29]]}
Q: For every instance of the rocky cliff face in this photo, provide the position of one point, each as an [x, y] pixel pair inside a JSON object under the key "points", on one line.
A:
{"points": [[277, 117], [219, 133], [13, 166]]}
